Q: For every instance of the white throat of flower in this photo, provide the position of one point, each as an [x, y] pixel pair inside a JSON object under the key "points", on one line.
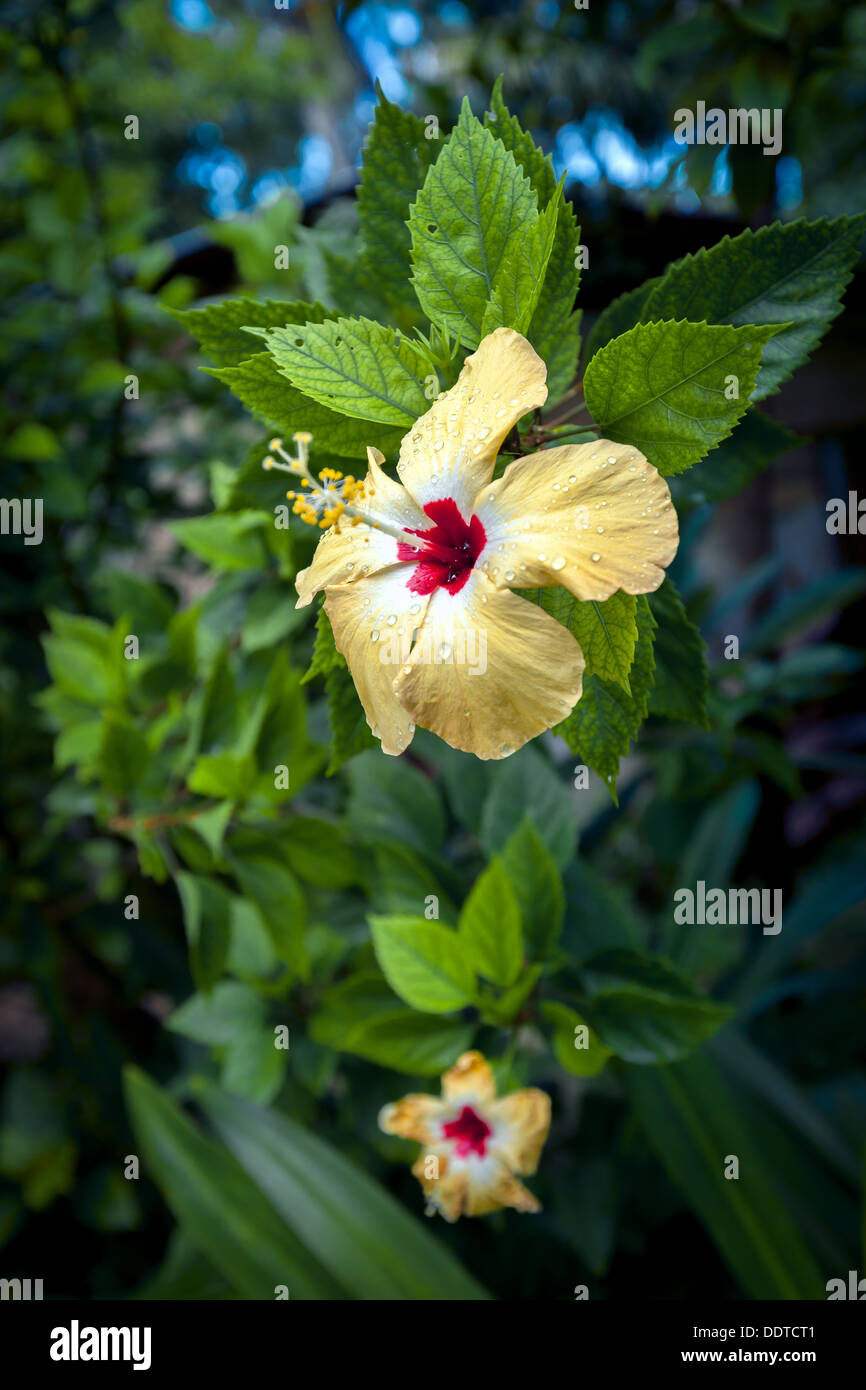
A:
{"points": [[330, 495]]}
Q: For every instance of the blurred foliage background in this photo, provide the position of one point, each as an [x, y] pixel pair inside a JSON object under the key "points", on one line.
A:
{"points": [[250, 121]]}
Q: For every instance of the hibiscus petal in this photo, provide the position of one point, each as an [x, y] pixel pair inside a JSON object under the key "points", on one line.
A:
{"points": [[521, 1122], [414, 1117], [489, 670], [594, 517], [380, 604], [469, 1079], [450, 451], [346, 552], [471, 1188]]}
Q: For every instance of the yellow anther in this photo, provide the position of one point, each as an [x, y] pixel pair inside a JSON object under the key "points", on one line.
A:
{"points": [[302, 437], [269, 462], [275, 444]]}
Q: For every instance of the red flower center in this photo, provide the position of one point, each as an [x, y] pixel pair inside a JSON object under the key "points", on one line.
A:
{"points": [[469, 1133], [451, 548]]}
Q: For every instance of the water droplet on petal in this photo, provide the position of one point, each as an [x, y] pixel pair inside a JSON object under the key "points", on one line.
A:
{"points": [[595, 555], [558, 563]]}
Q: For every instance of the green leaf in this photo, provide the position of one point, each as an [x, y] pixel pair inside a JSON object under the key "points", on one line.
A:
{"points": [[554, 330], [414, 1043], [350, 732], [712, 853], [582, 1054], [790, 274], [424, 962], [356, 367], [606, 632], [396, 158], [643, 1009], [598, 914], [391, 800], [527, 785], [535, 880], [270, 616], [275, 892], [537, 166], [680, 689], [474, 204], [206, 915], [227, 540], [404, 881], [124, 755], [519, 283], [220, 1209], [619, 316], [218, 1019], [85, 658], [607, 717], [254, 1067], [692, 1120], [223, 775], [263, 389], [359, 1233], [661, 387], [363, 1016], [318, 851], [737, 461], [325, 656], [489, 927], [220, 328], [826, 892], [354, 288]]}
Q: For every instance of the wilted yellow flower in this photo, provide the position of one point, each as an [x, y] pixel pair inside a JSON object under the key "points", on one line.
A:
{"points": [[473, 1145], [418, 573]]}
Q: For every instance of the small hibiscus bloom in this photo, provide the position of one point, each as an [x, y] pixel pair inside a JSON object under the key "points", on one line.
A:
{"points": [[418, 574], [473, 1145]]}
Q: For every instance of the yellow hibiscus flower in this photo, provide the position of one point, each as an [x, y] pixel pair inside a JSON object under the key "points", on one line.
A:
{"points": [[418, 573], [473, 1145]]}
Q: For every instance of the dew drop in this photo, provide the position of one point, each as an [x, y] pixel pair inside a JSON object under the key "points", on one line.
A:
{"points": [[374, 635], [595, 555], [510, 576], [391, 619]]}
